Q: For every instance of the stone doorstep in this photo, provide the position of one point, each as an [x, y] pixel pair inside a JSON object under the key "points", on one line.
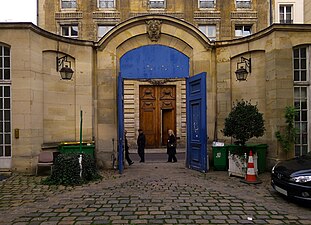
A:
{"points": [[157, 150], [5, 172]]}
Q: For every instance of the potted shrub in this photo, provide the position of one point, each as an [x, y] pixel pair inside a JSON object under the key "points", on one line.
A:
{"points": [[243, 123], [69, 171]]}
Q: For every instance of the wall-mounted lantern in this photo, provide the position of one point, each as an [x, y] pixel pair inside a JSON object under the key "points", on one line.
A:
{"points": [[64, 67], [243, 68]]}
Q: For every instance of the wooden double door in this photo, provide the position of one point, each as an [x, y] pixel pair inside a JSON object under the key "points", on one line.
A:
{"points": [[157, 113]]}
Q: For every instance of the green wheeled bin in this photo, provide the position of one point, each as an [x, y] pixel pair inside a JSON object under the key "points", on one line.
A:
{"points": [[74, 147], [261, 150], [220, 157]]}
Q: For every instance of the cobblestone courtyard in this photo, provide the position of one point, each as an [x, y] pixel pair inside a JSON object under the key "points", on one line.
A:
{"points": [[149, 193]]}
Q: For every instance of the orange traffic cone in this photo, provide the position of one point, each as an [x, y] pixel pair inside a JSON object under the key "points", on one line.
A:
{"points": [[251, 177]]}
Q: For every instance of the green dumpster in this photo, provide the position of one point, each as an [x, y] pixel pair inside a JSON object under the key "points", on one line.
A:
{"points": [[237, 149], [74, 147], [261, 150], [220, 157]]}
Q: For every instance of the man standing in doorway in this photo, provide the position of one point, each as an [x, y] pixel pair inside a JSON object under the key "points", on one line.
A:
{"points": [[141, 142], [126, 148]]}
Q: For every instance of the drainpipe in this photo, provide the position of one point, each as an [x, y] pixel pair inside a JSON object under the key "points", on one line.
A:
{"points": [[80, 130], [271, 11], [216, 93], [37, 7]]}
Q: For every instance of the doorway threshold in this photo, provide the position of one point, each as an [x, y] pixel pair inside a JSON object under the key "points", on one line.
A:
{"points": [[158, 150]]}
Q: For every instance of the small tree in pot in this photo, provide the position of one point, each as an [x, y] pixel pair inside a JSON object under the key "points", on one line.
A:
{"points": [[244, 122]]}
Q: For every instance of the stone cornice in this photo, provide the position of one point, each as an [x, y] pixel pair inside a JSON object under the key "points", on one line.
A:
{"points": [[44, 33], [265, 32], [141, 20], [68, 15]]}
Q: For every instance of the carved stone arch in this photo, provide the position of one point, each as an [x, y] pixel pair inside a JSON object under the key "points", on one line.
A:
{"points": [[169, 26], [175, 33], [127, 36]]}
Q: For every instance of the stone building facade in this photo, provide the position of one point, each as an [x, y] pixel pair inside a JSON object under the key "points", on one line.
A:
{"points": [[45, 109], [155, 55], [90, 20]]}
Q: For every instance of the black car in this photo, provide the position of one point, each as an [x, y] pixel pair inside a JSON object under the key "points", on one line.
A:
{"points": [[292, 178]]}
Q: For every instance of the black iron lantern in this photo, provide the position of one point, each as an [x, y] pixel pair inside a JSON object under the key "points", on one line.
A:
{"points": [[241, 74], [64, 68], [242, 66], [66, 73]]}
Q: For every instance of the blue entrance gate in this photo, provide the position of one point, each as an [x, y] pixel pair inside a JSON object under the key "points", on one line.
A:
{"points": [[120, 123], [196, 123], [151, 62]]}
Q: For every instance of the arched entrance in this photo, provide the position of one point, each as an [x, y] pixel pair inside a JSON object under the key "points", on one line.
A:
{"points": [[157, 102], [158, 66], [128, 57]]}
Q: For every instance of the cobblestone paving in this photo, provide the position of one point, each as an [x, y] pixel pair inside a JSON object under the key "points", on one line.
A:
{"points": [[149, 193]]}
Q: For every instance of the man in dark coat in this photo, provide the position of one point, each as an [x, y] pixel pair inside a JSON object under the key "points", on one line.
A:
{"points": [[141, 142], [171, 146], [126, 148]]}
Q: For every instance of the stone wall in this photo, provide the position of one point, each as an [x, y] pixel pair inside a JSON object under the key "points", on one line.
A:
{"points": [[88, 16], [270, 84], [45, 108]]}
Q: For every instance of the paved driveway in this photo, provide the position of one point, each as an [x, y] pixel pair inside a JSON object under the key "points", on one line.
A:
{"points": [[149, 193]]}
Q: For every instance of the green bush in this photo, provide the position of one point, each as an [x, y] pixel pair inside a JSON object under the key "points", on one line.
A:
{"points": [[287, 138], [244, 122], [66, 170]]}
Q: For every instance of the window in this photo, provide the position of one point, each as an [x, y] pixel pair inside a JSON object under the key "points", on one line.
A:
{"points": [[286, 14], [157, 4], [209, 31], [243, 30], [69, 30], [207, 4], [68, 4], [301, 99], [5, 64], [5, 103], [244, 4], [300, 64], [103, 29], [106, 4]]}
